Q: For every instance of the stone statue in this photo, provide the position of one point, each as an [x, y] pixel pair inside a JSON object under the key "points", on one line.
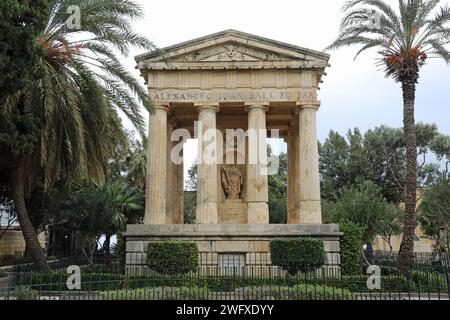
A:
{"points": [[232, 182]]}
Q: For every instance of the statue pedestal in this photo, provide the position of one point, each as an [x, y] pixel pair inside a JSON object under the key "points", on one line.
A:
{"points": [[233, 212], [238, 242]]}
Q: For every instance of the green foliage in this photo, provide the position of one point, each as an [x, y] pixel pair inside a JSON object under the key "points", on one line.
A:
{"points": [[57, 281], [26, 293], [20, 23], [172, 257], [95, 209], [408, 33], [157, 293], [351, 245], [435, 214], [323, 286], [67, 119], [298, 292], [377, 156], [278, 191], [296, 255], [365, 206]]}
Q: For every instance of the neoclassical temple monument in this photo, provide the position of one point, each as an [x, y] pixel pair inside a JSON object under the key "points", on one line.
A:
{"points": [[232, 81]]}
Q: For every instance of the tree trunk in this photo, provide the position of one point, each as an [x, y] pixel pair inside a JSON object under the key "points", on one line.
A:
{"points": [[406, 254], [107, 250], [33, 246]]}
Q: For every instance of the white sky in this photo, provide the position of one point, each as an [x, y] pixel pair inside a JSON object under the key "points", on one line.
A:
{"points": [[354, 94]]}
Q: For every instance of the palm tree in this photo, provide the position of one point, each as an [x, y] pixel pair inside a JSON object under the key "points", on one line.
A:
{"points": [[405, 38], [137, 166], [66, 123]]}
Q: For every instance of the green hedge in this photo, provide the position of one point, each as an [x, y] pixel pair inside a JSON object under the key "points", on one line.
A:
{"points": [[296, 255], [172, 257], [295, 292], [26, 293], [57, 281], [351, 246]]}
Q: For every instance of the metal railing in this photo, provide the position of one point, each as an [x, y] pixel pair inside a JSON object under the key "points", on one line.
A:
{"points": [[230, 277]]}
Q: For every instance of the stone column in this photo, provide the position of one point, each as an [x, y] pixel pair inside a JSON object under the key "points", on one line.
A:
{"points": [[173, 190], [310, 210], [257, 182], [155, 198], [179, 186], [292, 194], [207, 167]]}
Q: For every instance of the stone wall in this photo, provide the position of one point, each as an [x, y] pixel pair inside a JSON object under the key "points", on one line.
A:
{"points": [[13, 242], [213, 240]]}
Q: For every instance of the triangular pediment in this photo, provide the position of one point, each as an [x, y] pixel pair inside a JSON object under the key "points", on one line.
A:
{"points": [[232, 48], [230, 51]]}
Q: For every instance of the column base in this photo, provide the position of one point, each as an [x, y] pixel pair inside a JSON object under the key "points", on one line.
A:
{"points": [[310, 212], [258, 213]]}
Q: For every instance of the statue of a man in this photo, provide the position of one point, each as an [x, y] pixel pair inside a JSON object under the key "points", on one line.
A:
{"points": [[232, 182]]}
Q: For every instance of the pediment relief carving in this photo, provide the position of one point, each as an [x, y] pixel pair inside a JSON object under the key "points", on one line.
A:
{"points": [[229, 52]]}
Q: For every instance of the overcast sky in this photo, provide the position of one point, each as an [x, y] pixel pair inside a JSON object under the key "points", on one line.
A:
{"points": [[354, 93]]}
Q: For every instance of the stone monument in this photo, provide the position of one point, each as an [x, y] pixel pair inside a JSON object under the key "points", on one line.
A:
{"points": [[244, 83]]}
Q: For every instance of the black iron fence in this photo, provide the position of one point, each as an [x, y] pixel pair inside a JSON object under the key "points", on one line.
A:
{"points": [[230, 277]]}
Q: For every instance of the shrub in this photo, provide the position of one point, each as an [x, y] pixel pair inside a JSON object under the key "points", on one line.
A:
{"points": [[297, 254], [157, 293], [351, 243], [26, 293], [172, 257], [57, 281]]}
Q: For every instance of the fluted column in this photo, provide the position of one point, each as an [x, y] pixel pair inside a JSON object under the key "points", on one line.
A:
{"points": [[180, 192], [155, 204], [207, 166], [292, 177], [310, 209], [175, 193], [257, 180]]}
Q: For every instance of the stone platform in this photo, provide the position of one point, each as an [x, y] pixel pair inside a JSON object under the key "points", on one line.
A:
{"points": [[219, 244]]}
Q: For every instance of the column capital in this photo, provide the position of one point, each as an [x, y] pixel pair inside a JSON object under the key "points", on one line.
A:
{"points": [[164, 107], [207, 106], [308, 105], [257, 105], [160, 107]]}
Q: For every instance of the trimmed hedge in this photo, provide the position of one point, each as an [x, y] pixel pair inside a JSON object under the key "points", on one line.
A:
{"points": [[57, 281], [351, 246], [296, 292], [296, 255], [418, 282], [172, 257]]}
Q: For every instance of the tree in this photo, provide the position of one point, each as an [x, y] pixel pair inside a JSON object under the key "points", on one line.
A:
{"points": [[405, 38], [378, 156], [102, 209], [190, 196], [66, 122], [365, 206], [278, 191], [20, 23], [435, 214]]}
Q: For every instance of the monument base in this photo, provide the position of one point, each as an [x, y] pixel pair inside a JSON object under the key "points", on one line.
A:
{"points": [[227, 247]]}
